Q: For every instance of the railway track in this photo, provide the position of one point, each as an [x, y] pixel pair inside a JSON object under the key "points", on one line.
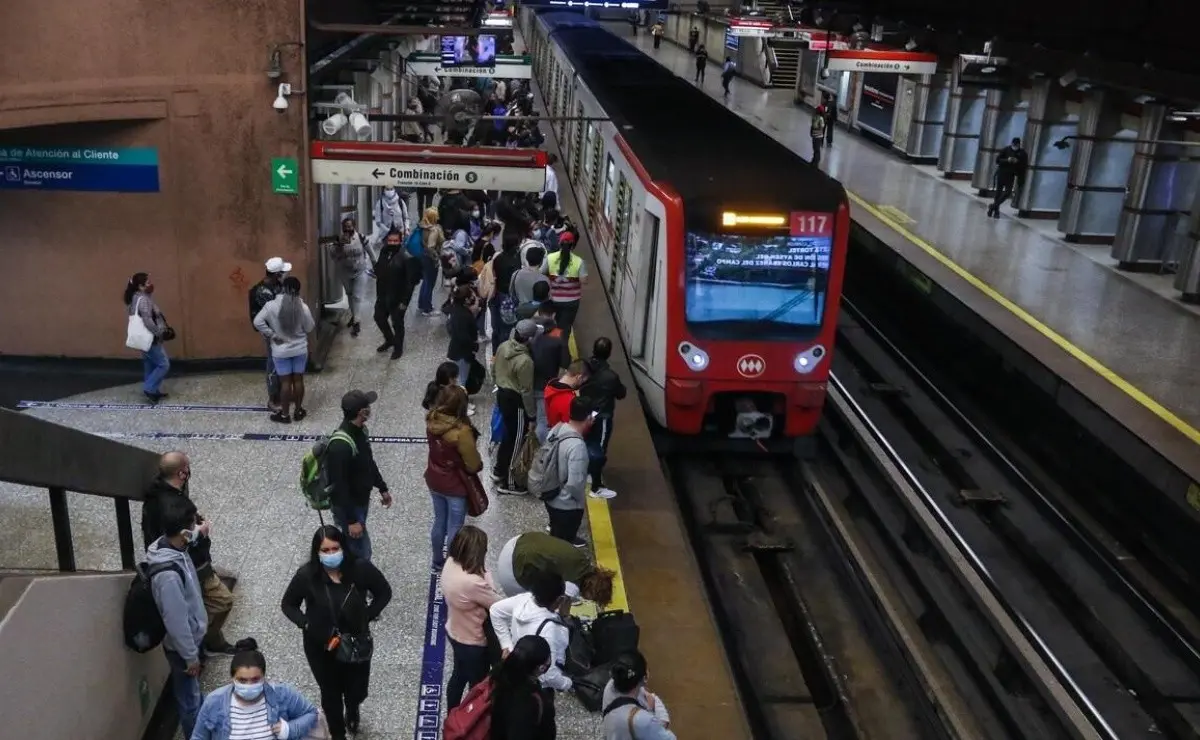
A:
{"points": [[915, 581]]}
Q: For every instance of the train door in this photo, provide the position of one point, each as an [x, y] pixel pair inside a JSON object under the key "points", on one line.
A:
{"points": [[643, 317], [618, 269]]}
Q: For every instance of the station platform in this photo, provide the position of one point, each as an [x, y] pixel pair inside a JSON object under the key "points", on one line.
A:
{"points": [[245, 482], [1120, 338]]}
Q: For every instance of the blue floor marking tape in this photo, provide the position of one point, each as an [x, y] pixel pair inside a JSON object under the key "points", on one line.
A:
{"points": [[250, 437], [433, 657], [82, 406]]}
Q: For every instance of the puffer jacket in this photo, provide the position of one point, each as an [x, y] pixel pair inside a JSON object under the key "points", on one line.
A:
{"points": [[451, 450]]}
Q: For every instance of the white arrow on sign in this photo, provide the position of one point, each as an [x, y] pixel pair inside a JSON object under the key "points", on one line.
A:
{"points": [[284, 171]]}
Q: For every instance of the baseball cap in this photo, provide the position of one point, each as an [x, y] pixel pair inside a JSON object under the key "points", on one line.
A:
{"points": [[277, 265], [566, 237], [527, 329], [356, 401]]}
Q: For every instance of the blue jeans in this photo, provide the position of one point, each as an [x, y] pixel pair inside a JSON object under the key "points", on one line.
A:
{"points": [[187, 692], [360, 546], [429, 273], [448, 515], [155, 365], [464, 369]]}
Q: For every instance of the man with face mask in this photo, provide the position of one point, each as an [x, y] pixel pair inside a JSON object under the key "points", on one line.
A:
{"points": [[353, 473], [390, 212], [350, 255], [171, 484]]}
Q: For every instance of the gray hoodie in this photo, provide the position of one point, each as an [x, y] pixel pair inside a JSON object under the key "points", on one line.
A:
{"points": [[267, 323], [572, 465], [646, 724], [181, 603]]}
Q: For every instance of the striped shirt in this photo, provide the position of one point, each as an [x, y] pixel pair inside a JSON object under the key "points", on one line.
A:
{"points": [[249, 721], [566, 281]]}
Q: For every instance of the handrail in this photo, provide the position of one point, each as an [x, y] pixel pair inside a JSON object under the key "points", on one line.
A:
{"points": [[42, 454]]}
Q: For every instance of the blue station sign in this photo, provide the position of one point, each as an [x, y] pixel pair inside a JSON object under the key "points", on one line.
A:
{"points": [[93, 169]]}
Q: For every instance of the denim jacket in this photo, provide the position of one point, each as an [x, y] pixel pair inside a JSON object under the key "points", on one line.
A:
{"points": [[283, 702]]}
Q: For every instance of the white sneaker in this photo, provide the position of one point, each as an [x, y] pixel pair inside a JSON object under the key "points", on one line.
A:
{"points": [[603, 492], [470, 409]]}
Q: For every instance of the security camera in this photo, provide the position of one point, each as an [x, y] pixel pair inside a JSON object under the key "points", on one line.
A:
{"points": [[281, 103]]}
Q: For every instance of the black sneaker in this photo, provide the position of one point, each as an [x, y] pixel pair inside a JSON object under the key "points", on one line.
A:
{"points": [[397, 353], [579, 542], [384, 347], [355, 328], [352, 719], [214, 651]]}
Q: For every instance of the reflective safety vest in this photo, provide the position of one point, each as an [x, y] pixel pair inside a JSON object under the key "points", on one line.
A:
{"points": [[565, 285]]}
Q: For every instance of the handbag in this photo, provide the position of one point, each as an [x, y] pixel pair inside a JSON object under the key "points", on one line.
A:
{"points": [[349, 647], [477, 498], [137, 336], [320, 730]]}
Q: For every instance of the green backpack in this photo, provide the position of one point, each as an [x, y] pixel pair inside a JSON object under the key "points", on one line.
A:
{"points": [[314, 473]]}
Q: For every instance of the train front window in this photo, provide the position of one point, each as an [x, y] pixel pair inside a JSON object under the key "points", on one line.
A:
{"points": [[757, 285]]}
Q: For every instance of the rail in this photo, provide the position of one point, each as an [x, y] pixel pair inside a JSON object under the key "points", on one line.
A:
{"points": [[41, 454]]}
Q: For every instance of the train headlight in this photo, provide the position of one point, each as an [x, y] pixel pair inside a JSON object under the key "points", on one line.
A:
{"points": [[696, 358], [808, 360]]}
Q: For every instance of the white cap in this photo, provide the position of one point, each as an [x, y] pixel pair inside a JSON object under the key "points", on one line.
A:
{"points": [[277, 265]]}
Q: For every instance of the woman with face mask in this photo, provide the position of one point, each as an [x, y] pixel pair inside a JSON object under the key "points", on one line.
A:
{"points": [[252, 708], [328, 600]]}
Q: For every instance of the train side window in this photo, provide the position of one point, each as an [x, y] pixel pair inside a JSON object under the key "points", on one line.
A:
{"points": [[650, 269], [589, 143], [610, 185], [621, 244], [578, 153], [597, 159]]}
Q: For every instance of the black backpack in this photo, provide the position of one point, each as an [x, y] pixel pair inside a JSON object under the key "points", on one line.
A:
{"points": [[144, 628], [614, 634]]}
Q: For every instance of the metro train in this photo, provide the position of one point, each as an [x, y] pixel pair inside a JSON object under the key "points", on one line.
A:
{"points": [[720, 250]]}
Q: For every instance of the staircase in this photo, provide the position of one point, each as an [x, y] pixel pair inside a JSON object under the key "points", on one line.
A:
{"points": [[787, 54]]}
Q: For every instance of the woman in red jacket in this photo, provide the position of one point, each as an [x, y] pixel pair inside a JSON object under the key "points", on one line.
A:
{"points": [[560, 392], [453, 458]]}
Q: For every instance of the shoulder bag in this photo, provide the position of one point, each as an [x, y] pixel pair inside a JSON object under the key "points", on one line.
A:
{"points": [[137, 336], [349, 647]]}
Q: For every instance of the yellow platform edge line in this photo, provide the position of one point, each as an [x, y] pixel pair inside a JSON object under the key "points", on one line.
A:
{"points": [[1092, 363], [604, 539]]}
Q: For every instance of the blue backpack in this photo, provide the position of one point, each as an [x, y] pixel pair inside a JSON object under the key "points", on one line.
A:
{"points": [[415, 244]]}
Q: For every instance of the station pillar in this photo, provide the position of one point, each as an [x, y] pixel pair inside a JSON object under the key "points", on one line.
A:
{"points": [[919, 138], [1100, 160], [960, 135], [1187, 280], [1004, 116], [1153, 225], [1048, 122]]}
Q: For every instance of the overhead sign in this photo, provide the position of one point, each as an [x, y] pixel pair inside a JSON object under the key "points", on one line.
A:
{"points": [[285, 176], [506, 67], [92, 169], [751, 27], [882, 61], [428, 166], [978, 70]]}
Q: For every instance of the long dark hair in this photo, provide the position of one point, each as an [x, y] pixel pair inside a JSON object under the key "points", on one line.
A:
{"points": [[565, 249], [329, 532], [520, 670], [135, 284], [446, 374]]}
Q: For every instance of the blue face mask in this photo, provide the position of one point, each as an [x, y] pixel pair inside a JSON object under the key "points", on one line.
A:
{"points": [[248, 691], [332, 559]]}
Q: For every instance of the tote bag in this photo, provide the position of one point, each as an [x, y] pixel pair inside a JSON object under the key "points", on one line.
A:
{"points": [[137, 336]]}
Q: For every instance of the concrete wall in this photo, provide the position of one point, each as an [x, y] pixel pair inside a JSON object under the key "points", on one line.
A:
{"points": [[187, 78], [52, 648]]}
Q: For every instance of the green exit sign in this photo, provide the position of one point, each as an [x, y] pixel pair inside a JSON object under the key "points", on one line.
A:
{"points": [[285, 176]]}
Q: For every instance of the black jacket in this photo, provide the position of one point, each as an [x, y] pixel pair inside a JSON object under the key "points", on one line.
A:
{"points": [[550, 355], [504, 267], [352, 475], [350, 612], [463, 334], [454, 211], [1011, 164], [262, 294], [603, 386], [528, 715], [396, 274], [156, 493]]}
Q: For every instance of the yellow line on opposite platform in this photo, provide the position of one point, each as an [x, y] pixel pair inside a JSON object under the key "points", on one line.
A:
{"points": [[1095, 365]]}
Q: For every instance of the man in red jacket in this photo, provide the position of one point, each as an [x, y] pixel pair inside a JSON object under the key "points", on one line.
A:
{"points": [[559, 393]]}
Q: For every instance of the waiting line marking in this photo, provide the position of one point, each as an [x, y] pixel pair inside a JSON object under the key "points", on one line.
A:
{"points": [[250, 437], [433, 662], [85, 406]]}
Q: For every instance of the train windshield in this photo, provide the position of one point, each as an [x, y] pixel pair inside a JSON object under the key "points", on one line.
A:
{"points": [[757, 285]]}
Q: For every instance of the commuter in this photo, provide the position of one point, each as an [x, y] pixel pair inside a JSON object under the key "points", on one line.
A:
{"points": [[139, 302], [252, 708], [454, 210], [1011, 164], [630, 711], [530, 275], [728, 70], [526, 555], [831, 111], [453, 460], [568, 274], [539, 613], [353, 473], [551, 178], [446, 375], [693, 39], [817, 131], [286, 322], [351, 255], [521, 708], [414, 131], [513, 375], [656, 31], [540, 309], [551, 354], [390, 212], [701, 64], [469, 593], [171, 485], [463, 329], [603, 388], [432, 237], [341, 595], [559, 393], [262, 293], [178, 596], [565, 508], [504, 266], [395, 276]]}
